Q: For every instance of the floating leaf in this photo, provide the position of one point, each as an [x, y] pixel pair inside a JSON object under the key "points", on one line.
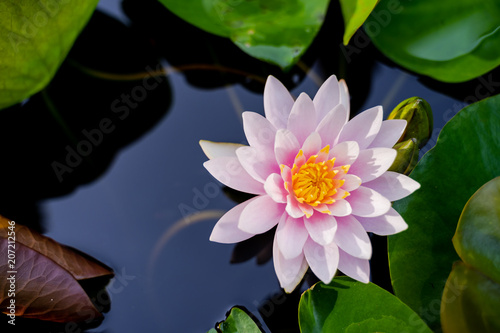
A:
{"points": [[464, 158], [205, 59], [237, 320], [355, 13], [36, 36], [46, 276], [452, 41], [470, 302], [350, 306], [477, 239], [471, 297], [275, 31]]}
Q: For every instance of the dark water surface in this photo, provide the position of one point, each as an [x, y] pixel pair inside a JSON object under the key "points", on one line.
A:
{"points": [[125, 202]]}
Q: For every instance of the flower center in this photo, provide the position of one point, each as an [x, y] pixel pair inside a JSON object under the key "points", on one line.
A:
{"points": [[316, 181]]}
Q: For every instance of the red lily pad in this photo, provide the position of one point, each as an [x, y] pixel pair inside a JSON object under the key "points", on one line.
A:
{"points": [[42, 277]]}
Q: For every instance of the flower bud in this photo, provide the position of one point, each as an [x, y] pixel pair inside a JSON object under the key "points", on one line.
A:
{"points": [[407, 157], [418, 113]]}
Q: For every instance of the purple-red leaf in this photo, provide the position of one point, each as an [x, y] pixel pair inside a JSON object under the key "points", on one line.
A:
{"points": [[46, 277]]}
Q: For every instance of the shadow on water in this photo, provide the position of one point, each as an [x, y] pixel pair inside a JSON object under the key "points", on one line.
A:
{"points": [[68, 134], [278, 309]]}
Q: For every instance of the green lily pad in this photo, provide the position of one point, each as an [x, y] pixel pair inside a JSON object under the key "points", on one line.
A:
{"points": [[355, 13], [471, 297], [237, 321], [350, 306], [36, 37], [276, 31], [449, 40], [470, 302], [464, 158], [477, 239]]}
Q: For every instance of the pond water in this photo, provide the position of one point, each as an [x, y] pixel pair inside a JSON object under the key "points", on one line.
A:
{"points": [[125, 203]]}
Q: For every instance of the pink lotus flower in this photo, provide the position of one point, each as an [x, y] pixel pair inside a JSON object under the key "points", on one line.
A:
{"points": [[321, 178]]}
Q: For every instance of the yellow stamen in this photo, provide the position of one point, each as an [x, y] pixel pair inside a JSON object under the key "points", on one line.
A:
{"points": [[314, 183]]}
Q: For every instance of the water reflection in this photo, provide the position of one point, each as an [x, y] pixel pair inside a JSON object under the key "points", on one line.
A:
{"points": [[68, 134]]}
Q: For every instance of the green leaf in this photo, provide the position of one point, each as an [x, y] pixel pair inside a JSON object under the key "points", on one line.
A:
{"points": [[449, 40], [237, 321], [477, 239], [355, 13], [464, 158], [36, 37], [470, 302], [350, 306], [276, 31], [197, 13]]}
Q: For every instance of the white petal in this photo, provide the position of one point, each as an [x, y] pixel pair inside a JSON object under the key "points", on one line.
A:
{"points": [[274, 187], [312, 144], [219, 149], [260, 215], [226, 230], [351, 183], [291, 235], [368, 203], [277, 102], [230, 172], [373, 162], [323, 260], [340, 208], [352, 238], [358, 269], [321, 228], [363, 128], [331, 125], [389, 134], [393, 185], [289, 271], [344, 96], [257, 163], [302, 119], [292, 207], [327, 97], [259, 131], [388, 224], [286, 147], [345, 153]]}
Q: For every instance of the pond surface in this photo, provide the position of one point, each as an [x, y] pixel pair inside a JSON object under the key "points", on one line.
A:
{"points": [[127, 201]]}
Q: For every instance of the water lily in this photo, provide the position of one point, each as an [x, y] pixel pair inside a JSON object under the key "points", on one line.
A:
{"points": [[320, 178]]}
